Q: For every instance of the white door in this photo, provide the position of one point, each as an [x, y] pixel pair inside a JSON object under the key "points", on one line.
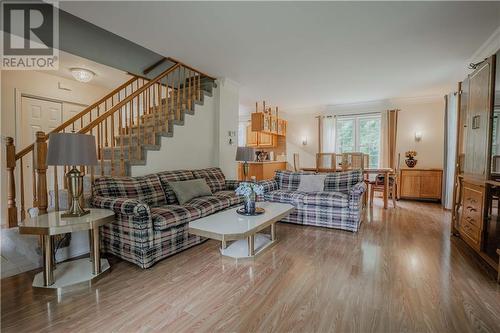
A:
{"points": [[37, 115], [70, 110]]}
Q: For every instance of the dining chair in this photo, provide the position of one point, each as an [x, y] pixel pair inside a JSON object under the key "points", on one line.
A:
{"points": [[366, 160], [353, 161], [326, 162], [377, 185]]}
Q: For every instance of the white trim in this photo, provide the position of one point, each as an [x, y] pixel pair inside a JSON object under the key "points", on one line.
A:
{"points": [[488, 48], [356, 118], [378, 105], [19, 94]]}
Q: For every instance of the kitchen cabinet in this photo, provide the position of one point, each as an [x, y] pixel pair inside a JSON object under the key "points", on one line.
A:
{"points": [[260, 139], [270, 124], [261, 170]]}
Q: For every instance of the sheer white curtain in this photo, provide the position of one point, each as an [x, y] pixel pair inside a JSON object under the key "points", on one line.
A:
{"points": [[328, 134], [450, 148]]}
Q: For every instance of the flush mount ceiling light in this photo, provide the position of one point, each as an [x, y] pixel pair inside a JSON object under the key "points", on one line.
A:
{"points": [[82, 74]]}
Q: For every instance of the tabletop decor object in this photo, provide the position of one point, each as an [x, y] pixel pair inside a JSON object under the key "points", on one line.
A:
{"points": [[410, 158], [250, 190], [245, 154], [72, 149]]}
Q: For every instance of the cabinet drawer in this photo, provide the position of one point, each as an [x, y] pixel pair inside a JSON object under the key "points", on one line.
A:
{"points": [[472, 233], [473, 205], [472, 218], [473, 196], [471, 222]]}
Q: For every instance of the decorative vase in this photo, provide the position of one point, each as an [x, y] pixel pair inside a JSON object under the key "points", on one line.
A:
{"points": [[250, 204], [411, 162]]}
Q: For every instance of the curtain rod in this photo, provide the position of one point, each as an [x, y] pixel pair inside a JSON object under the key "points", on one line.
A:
{"points": [[352, 114]]}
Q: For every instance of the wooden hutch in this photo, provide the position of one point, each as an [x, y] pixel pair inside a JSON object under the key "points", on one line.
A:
{"points": [[476, 196]]}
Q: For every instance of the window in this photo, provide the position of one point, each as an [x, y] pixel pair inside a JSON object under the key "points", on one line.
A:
{"points": [[359, 134]]}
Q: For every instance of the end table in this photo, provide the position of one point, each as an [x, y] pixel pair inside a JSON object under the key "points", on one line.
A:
{"points": [[73, 271]]}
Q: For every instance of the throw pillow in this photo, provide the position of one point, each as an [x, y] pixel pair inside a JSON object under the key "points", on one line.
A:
{"points": [[311, 183], [190, 189]]}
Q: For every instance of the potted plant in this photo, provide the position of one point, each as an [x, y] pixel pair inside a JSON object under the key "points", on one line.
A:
{"points": [[410, 158], [250, 191]]}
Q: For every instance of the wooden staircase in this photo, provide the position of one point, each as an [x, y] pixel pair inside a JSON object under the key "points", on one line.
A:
{"points": [[126, 123]]}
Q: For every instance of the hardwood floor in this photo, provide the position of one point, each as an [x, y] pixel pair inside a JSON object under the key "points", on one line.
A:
{"points": [[400, 273]]}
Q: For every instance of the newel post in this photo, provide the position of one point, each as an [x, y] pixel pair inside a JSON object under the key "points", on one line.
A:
{"points": [[41, 170], [11, 182]]}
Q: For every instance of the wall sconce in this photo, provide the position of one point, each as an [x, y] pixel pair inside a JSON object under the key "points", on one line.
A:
{"points": [[304, 140], [418, 136]]}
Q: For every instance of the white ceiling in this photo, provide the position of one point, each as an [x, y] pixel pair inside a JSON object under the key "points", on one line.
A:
{"points": [[105, 76], [297, 54]]}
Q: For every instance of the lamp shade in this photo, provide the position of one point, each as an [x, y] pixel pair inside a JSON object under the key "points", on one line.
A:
{"points": [[245, 154], [71, 149]]}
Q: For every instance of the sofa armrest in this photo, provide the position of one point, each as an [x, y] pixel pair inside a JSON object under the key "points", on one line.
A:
{"points": [[356, 195], [268, 185], [133, 222], [231, 185], [122, 206]]}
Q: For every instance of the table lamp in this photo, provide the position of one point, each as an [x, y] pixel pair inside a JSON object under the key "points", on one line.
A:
{"points": [[72, 149], [245, 154]]}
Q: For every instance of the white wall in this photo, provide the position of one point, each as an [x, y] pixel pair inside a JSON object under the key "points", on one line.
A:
{"points": [[302, 125], [193, 146], [203, 141], [424, 114], [35, 84], [228, 99], [427, 117], [417, 114], [19, 252]]}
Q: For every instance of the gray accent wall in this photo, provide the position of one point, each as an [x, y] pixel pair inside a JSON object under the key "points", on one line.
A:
{"points": [[87, 40]]}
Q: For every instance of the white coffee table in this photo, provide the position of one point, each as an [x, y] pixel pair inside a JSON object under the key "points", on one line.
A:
{"points": [[227, 226]]}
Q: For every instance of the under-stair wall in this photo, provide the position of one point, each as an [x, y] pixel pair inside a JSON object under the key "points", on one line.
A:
{"points": [[193, 145]]}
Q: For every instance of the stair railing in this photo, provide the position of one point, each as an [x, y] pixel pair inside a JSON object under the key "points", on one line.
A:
{"points": [[132, 115]]}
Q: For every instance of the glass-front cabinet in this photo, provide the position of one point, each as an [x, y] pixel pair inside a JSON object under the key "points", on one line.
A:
{"points": [[477, 183]]}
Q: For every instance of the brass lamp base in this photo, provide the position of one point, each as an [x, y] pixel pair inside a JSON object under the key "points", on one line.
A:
{"points": [[75, 190], [246, 168]]}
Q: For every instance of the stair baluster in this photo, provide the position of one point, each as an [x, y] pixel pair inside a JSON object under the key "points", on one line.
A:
{"points": [[178, 95], [138, 102], [167, 110], [41, 170], [11, 183], [23, 211], [33, 179]]}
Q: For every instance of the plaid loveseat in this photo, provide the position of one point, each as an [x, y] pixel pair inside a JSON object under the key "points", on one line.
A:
{"points": [[150, 224], [338, 206]]}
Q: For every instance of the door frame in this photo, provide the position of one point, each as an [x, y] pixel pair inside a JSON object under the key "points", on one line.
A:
{"points": [[18, 108], [19, 94]]}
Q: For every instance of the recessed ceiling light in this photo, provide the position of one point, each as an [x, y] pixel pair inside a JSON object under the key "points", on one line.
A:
{"points": [[82, 74]]}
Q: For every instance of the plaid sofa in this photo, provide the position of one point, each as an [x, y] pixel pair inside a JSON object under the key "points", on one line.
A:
{"points": [[150, 224], [339, 206]]}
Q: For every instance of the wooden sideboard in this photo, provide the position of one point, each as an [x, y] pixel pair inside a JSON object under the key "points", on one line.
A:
{"points": [[261, 170], [420, 184]]}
